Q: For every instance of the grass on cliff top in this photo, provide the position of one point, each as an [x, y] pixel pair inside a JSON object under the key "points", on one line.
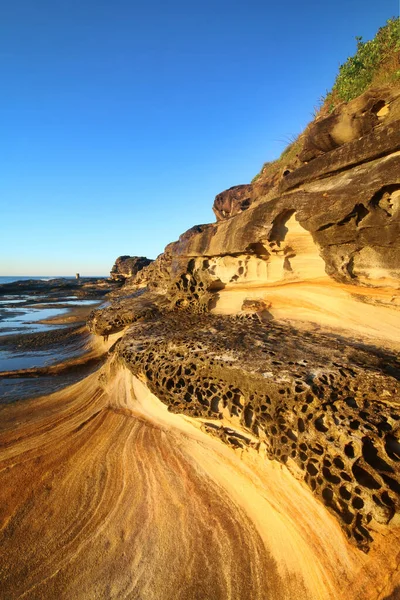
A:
{"points": [[270, 168], [375, 63]]}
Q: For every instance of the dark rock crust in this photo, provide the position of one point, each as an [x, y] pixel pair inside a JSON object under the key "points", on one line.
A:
{"points": [[327, 406]]}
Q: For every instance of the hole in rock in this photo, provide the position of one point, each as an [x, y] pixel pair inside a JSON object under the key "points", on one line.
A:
{"points": [[344, 492], [279, 230], [358, 213], [329, 476], [362, 529], [312, 469], [215, 404], [317, 449], [248, 416], [392, 447], [357, 502], [351, 402], [364, 478], [392, 483], [370, 454], [386, 198], [347, 516], [256, 248], [338, 463], [319, 425], [386, 499], [380, 109], [327, 495], [349, 450]]}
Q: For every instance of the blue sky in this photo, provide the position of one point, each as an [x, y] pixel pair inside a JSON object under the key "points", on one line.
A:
{"points": [[121, 120]]}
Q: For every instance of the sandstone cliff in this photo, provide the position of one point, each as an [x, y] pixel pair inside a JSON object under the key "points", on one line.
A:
{"points": [[278, 326], [242, 439]]}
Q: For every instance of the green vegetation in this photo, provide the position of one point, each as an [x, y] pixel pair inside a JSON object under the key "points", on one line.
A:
{"points": [[376, 63]]}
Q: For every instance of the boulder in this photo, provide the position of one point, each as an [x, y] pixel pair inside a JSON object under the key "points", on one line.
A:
{"points": [[128, 266]]}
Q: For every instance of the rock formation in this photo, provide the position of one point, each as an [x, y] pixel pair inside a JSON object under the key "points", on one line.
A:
{"points": [[242, 438], [317, 245], [350, 121], [128, 266]]}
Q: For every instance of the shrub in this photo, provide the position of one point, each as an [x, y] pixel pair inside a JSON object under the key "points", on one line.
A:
{"points": [[377, 59], [376, 62]]}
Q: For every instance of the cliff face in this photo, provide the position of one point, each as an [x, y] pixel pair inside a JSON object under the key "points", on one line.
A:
{"points": [[331, 223], [314, 246], [337, 215]]}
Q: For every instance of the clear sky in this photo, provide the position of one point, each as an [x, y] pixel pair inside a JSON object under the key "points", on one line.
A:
{"points": [[120, 120]]}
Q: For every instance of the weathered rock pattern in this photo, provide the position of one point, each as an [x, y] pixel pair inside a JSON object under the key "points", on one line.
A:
{"points": [[105, 494], [128, 266], [330, 409], [124, 311], [327, 408], [353, 218], [242, 439], [350, 121]]}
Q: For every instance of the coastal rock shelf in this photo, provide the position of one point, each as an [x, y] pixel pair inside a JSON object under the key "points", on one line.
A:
{"points": [[302, 396]]}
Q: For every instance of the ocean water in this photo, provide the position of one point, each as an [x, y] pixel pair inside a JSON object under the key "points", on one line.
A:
{"points": [[22, 312], [12, 278]]}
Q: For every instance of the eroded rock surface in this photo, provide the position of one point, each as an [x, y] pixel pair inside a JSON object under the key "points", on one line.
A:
{"points": [[350, 121], [125, 311], [321, 397], [128, 266], [325, 407]]}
